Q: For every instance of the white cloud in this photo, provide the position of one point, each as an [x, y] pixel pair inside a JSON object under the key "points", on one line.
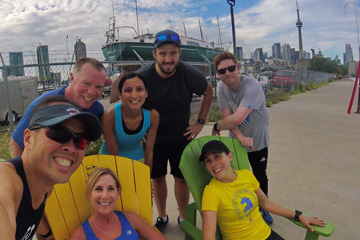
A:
{"points": [[325, 26]]}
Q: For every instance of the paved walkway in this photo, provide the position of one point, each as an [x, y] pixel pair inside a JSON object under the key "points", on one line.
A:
{"points": [[312, 162]]}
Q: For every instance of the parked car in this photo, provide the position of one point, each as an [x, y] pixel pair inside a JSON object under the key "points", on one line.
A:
{"points": [[285, 79]]}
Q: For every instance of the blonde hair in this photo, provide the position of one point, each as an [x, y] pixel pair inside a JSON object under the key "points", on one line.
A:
{"points": [[96, 174]]}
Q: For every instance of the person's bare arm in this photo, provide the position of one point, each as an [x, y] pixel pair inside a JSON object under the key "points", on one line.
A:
{"points": [[10, 196], [150, 139], [143, 228], [275, 208], [15, 149], [108, 124], [209, 225], [206, 98]]}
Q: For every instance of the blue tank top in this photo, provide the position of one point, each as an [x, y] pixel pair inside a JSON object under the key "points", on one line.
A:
{"points": [[128, 145], [27, 219], [128, 233]]}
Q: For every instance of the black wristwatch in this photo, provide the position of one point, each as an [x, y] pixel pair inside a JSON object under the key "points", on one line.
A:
{"points": [[215, 127], [201, 121], [297, 215]]}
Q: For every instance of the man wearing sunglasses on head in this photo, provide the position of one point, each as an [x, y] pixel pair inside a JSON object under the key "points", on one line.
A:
{"points": [[243, 107], [55, 144], [171, 85], [87, 81]]}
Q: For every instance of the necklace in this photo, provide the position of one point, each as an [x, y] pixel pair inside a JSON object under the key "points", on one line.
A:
{"points": [[102, 230], [235, 175]]}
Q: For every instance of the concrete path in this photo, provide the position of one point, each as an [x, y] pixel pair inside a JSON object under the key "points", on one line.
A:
{"points": [[314, 162]]}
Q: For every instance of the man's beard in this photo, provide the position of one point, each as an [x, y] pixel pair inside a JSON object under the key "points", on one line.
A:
{"points": [[163, 70]]}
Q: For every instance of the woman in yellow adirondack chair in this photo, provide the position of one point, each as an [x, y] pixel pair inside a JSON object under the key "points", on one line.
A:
{"points": [[103, 190], [231, 200], [126, 124]]}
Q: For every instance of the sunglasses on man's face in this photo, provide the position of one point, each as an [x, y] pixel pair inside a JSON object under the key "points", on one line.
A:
{"points": [[63, 135], [163, 37], [223, 70]]}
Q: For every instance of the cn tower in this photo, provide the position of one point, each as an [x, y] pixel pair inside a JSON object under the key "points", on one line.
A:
{"points": [[299, 25]]}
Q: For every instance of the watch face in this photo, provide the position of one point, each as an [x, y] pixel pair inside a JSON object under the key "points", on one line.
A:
{"points": [[201, 121]]}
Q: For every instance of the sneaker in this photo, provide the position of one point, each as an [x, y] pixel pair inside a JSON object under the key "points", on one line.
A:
{"points": [[266, 216], [161, 224], [178, 222]]}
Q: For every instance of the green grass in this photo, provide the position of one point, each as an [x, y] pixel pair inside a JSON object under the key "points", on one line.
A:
{"points": [[4, 145]]}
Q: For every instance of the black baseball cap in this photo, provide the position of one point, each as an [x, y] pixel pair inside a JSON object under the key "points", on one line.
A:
{"points": [[167, 36], [55, 114], [214, 146]]}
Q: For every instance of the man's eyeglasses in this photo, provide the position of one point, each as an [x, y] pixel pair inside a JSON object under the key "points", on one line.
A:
{"points": [[63, 135], [223, 70], [164, 37]]}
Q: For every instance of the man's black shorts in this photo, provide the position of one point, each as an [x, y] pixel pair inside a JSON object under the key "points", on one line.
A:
{"points": [[163, 153]]}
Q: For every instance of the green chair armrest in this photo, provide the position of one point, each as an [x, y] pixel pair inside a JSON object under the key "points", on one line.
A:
{"points": [[191, 230], [323, 231]]}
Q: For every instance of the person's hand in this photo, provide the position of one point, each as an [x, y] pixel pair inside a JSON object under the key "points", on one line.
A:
{"points": [[311, 220], [247, 142], [214, 132], [193, 130]]}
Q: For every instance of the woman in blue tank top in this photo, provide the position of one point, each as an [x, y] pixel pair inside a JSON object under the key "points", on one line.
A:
{"points": [[103, 190], [127, 123]]}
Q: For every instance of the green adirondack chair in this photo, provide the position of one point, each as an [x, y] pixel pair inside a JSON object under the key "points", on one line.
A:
{"points": [[197, 177]]}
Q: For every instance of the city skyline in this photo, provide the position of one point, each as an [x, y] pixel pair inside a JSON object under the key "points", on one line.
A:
{"points": [[259, 23]]}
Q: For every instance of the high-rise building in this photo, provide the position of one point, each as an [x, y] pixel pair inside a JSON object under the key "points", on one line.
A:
{"points": [[293, 61], [80, 49], [240, 53], [348, 55], [276, 51], [286, 52], [258, 54], [16, 59], [42, 52]]}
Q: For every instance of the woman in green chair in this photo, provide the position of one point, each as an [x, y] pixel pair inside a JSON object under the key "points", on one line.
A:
{"points": [[103, 190], [231, 200]]}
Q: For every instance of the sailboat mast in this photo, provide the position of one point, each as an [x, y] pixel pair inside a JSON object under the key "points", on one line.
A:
{"points": [[201, 33], [185, 29], [219, 31], [137, 18]]}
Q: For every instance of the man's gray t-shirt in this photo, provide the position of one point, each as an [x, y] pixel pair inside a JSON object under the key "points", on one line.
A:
{"points": [[249, 94]]}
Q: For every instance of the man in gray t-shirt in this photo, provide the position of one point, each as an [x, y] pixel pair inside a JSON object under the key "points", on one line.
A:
{"points": [[243, 107]]}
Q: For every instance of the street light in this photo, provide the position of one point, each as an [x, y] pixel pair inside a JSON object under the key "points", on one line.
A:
{"points": [[357, 75], [232, 4]]}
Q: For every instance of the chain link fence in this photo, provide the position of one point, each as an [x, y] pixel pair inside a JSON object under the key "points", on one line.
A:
{"points": [[21, 84]]}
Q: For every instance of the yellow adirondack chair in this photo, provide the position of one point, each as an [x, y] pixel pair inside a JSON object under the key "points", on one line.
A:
{"points": [[68, 207]]}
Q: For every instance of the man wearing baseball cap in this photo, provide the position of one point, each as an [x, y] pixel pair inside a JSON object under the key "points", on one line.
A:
{"points": [[55, 144], [171, 85]]}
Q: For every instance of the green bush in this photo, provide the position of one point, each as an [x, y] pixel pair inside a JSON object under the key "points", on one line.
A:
{"points": [[95, 147], [214, 114]]}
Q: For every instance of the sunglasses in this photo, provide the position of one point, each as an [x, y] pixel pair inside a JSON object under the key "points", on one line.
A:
{"points": [[223, 70], [63, 135], [163, 37]]}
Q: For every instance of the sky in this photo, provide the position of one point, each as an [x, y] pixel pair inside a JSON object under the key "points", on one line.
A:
{"points": [[259, 23]]}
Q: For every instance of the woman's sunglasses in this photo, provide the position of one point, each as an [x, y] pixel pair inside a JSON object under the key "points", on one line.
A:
{"points": [[63, 135], [223, 70]]}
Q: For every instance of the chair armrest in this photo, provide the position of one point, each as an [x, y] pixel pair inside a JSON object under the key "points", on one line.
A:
{"points": [[323, 231], [191, 230]]}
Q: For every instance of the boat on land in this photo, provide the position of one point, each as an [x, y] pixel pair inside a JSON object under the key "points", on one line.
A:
{"points": [[140, 47]]}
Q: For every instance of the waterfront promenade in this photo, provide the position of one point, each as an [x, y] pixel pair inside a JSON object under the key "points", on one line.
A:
{"points": [[314, 159]]}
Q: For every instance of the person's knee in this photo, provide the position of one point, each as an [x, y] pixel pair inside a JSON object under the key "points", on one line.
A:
{"points": [[159, 180]]}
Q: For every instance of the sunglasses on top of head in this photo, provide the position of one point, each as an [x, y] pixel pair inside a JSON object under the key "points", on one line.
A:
{"points": [[223, 70], [163, 37], [63, 135]]}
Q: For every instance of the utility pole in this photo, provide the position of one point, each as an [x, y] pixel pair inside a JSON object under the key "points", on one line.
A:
{"points": [[232, 4]]}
